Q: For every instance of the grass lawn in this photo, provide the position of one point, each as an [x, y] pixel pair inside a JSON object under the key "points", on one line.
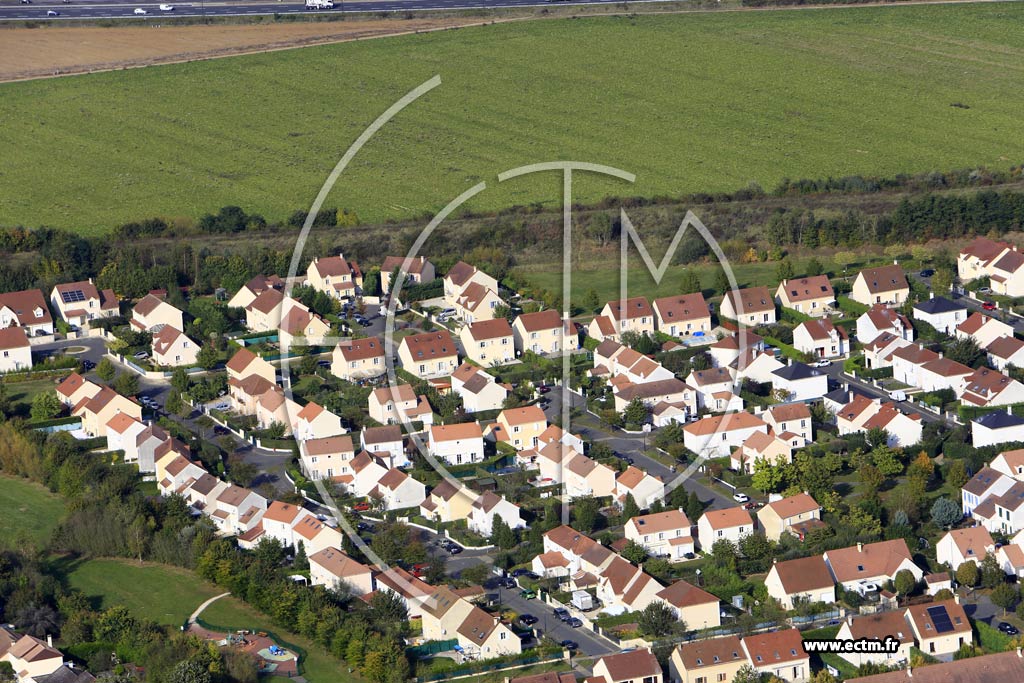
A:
{"points": [[319, 667], [166, 595], [31, 512], [688, 102], [22, 393]]}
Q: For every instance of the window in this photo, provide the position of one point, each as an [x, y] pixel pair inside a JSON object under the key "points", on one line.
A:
{"points": [[504, 341], [700, 679], [313, 459], [502, 635], [720, 533], [376, 361], [423, 368], [721, 677], [483, 344]]}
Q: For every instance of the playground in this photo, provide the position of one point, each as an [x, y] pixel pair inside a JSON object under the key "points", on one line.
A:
{"points": [[273, 659]]}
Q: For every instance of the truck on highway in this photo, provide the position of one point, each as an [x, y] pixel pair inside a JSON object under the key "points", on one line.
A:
{"points": [[319, 4]]}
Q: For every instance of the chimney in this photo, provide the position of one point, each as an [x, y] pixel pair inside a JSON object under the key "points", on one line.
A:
{"points": [[1019, 654], [910, 671], [775, 560], [849, 619], [931, 295], [895, 262], [940, 355], [956, 598], [49, 641], [1009, 410], [789, 361], [860, 547]]}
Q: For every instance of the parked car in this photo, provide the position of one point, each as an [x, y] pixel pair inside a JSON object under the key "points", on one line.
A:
{"points": [[927, 272], [543, 389], [88, 365], [1008, 629], [324, 363], [507, 583], [360, 507], [570, 644], [562, 614], [527, 594], [898, 395], [220, 431], [454, 550], [988, 306], [823, 363], [141, 355], [574, 622], [519, 572], [527, 619], [741, 497], [984, 290]]}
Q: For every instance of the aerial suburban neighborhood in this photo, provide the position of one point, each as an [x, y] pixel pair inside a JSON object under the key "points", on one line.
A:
{"points": [[511, 341]]}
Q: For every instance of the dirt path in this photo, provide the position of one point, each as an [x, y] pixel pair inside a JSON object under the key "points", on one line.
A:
{"points": [[41, 53]]}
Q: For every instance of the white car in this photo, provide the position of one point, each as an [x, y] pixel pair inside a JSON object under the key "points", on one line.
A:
{"points": [[139, 10], [166, 8], [741, 497], [898, 395], [823, 363], [52, 13]]}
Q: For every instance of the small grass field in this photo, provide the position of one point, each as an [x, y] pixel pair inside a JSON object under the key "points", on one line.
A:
{"points": [[168, 595], [31, 512], [21, 394], [688, 102]]}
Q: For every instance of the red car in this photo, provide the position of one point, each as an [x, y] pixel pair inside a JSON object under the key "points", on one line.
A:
{"points": [[361, 507], [989, 306], [420, 567]]}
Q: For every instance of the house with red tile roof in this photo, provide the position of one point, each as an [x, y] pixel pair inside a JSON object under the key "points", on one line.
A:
{"points": [[457, 444], [172, 349], [718, 435], [694, 606], [97, 411], [28, 310], [821, 339], [705, 661], [882, 285], [989, 388], [263, 314], [334, 569], [477, 303], [728, 524], [356, 359], [628, 667], [630, 315], [79, 302], [812, 295], [395, 405], [770, 446], [880, 319], [683, 316], [489, 506], [245, 363], [544, 332], [983, 329], [643, 487], [334, 276], [867, 563], [964, 545], [794, 515], [151, 313], [751, 306], [30, 658], [462, 275], [253, 288], [878, 626], [1005, 351], [15, 350], [418, 270], [779, 653], [429, 354], [488, 342], [668, 533], [328, 458], [805, 579]]}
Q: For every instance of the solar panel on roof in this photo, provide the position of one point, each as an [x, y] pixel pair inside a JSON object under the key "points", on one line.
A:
{"points": [[73, 296], [939, 617]]}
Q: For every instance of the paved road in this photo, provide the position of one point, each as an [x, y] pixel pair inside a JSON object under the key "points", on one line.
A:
{"points": [[124, 9], [632, 445], [590, 643]]}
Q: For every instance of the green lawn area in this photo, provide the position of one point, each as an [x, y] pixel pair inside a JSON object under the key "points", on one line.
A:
{"points": [[319, 667], [688, 102], [168, 595], [22, 393], [164, 594], [31, 512]]}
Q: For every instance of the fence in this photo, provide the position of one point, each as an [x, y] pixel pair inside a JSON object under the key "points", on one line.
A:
{"points": [[477, 669]]}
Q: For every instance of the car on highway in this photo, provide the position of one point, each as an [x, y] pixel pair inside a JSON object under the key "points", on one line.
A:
{"points": [[26, 2], [823, 363], [527, 619], [570, 644], [1008, 629], [52, 13], [139, 10], [927, 272], [988, 305], [166, 8], [527, 594], [741, 497]]}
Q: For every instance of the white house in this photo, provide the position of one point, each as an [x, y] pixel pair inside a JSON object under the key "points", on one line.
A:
{"points": [[662, 534], [941, 313], [964, 545], [983, 329], [988, 388], [997, 427], [811, 295], [457, 444], [27, 309], [752, 306], [717, 435], [478, 390], [1003, 352], [730, 524], [800, 382], [15, 350], [871, 563], [986, 483], [171, 348], [489, 506], [821, 339], [880, 318], [804, 579]]}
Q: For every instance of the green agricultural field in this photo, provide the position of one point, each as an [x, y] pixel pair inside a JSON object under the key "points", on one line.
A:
{"points": [[31, 513], [690, 102]]}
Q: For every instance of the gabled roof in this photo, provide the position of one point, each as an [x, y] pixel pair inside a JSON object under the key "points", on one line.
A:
{"points": [[489, 329], [724, 423], [286, 513], [267, 301], [637, 664], [973, 541], [456, 432], [803, 575], [657, 522], [881, 316], [24, 305], [806, 288], [983, 480], [332, 266], [543, 320], [938, 304], [1005, 347], [999, 420], [1009, 262], [631, 477], [868, 560], [681, 307], [430, 345], [881, 625], [1003, 666], [796, 371], [329, 445], [166, 338], [711, 652], [684, 594], [460, 273], [751, 300], [382, 434], [728, 518], [412, 266], [241, 360], [400, 393], [822, 329], [921, 616], [148, 304], [710, 376], [634, 307], [787, 412], [13, 338], [661, 387], [884, 279], [524, 415], [794, 505], [338, 563], [775, 647]]}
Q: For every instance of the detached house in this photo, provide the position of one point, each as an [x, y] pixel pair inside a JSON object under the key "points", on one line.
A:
{"points": [[1010, 463], [878, 353], [878, 627], [718, 435], [245, 363], [417, 270], [521, 427], [447, 503], [489, 506], [637, 666], [858, 567], [334, 569], [693, 606], [662, 534], [795, 515], [74, 388], [334, 276], [941, 313], [794, 418], [457, 444], [460, 276], [997, 427], [315, 422], [884, 285], [940, 628], [328, 458], [544, 333], [716, 660], [821, 339], [488, 342], [279, 521], [645, 488], [28, 310], [780, 654], [263, 314], [964, 545], [396, 490], [477, 303], [987, 483], [385, 440], [983, 329], [429, 355], [811, 296], [480, 635], [478, 390], [79, 302], [97, 410], [752, 306], [975, 260], [394, 405], [988, 388], [880, 319], [15, 350], [631, 315], [35, 661], [716, 389], [800, 382], [683, 315], [357, 359], [301, 326], [1006, 273], [729, 524], [806, 579], [768, 446], [1003, 352], [253, 288], [152, 312], [172, 349]]}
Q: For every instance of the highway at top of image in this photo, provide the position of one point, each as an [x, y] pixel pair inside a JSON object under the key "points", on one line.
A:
{"points": [[125, 9]]}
